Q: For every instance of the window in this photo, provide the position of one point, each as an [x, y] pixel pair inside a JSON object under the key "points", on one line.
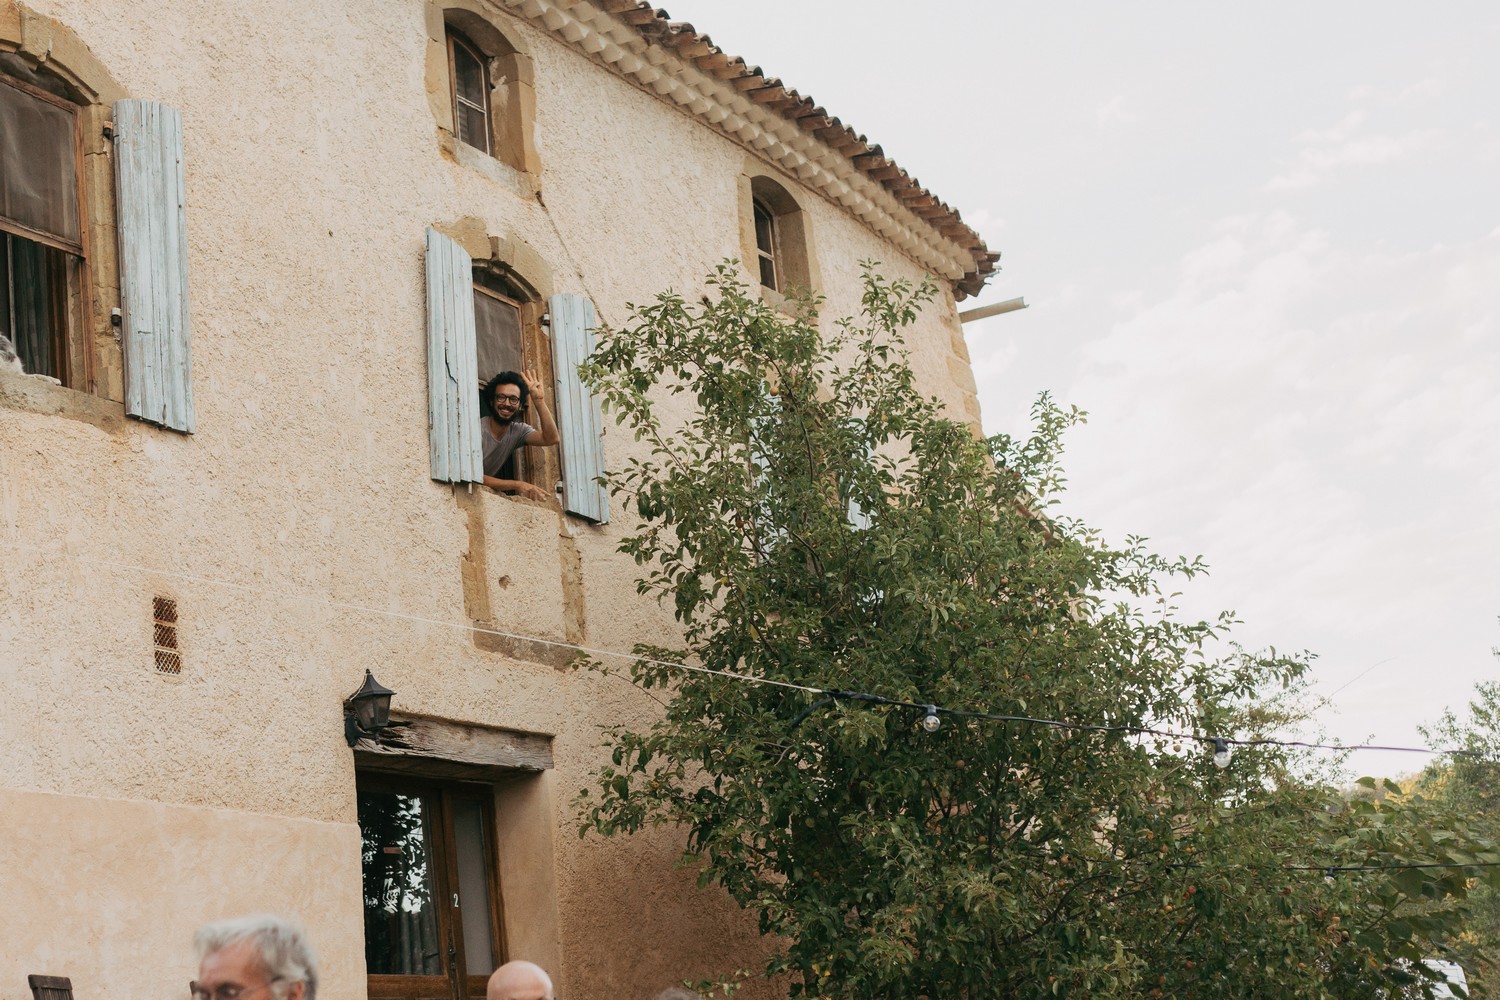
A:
{"points": [[42, 255], [432, 906], [509, 337], [497, 325], [93, 233], [765, 245], [484, 317], [489, 104], [471, 92], [776, 237]]}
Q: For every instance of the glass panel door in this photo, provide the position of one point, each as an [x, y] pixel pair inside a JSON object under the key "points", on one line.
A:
{"points": [[401, 926], [431, 899], [474, 886]]}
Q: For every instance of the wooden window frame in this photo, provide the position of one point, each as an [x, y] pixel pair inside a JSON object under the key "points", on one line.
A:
{"points": [[75, 360], [766, 254], [443, 859], [538, 466], [456, 40]]}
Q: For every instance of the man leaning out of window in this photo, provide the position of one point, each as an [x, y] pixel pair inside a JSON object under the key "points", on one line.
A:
{"points": [[503, 399]]}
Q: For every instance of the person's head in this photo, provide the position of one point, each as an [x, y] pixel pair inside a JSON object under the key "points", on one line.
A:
{"points": [[677, 993], [261, 957], [519, 981], [504, 397]]}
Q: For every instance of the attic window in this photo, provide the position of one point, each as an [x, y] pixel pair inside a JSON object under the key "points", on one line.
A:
{"points": [[164, 615], [471, 92], [765, 245], [776, 238]]}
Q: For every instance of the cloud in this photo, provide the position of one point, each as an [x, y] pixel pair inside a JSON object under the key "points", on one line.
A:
{"points": [[1425, 90], [1326, 152], [987, 223], [1329, 152], [1338, 133], [1114, 112], [1318, 420]]}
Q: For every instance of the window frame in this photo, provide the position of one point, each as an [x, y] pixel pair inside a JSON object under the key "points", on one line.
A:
{"points": [[770, 253], [541, 466], [458, 40], [71, 340], [763, 198], [439, 833]]}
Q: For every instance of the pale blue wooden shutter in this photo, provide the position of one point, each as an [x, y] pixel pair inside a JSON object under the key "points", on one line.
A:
{"points": [[578, 416], [152, 224], [452, 363]]}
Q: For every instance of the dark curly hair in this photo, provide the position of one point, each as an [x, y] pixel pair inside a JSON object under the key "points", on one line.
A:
{"points": [[487, 396]]}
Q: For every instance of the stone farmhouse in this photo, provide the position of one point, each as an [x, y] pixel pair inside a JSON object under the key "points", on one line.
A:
{"points": [[255, 258]]}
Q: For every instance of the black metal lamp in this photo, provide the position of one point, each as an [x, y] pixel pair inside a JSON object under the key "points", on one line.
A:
{"points": [[367, 712]]}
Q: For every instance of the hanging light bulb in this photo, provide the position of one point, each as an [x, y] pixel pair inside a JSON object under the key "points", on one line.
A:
{"points": [[1221, 752], [930, 721]]}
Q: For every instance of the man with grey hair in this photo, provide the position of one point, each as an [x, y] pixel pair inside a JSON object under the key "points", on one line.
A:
{"points": [[677, 993], [251, 958]]}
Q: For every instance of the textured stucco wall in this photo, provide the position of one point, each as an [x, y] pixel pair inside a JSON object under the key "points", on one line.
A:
{"points": [[112, 890], [298, 529]]}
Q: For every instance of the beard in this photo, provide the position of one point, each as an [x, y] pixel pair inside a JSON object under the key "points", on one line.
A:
{"points": [[502, 419]]}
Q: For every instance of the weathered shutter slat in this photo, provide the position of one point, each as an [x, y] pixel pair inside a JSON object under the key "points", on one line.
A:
{"points": [[156, 333], [452, 363], [579, 416]]}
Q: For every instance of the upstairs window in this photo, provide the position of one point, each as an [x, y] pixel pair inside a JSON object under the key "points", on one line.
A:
{"points": [[489, 107], [776, 238], [499, 344], [470, 78], [42, 253], [93, 233], [508, 337], [765, 245], [482, 317]]}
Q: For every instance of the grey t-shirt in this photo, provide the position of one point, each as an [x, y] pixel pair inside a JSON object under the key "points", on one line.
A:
{"points": [[497, 450]]}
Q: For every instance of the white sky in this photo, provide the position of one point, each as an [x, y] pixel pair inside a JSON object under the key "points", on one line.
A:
{"points": [[1261, 246]]}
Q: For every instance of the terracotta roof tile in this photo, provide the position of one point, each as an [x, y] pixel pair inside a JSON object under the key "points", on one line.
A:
{"points": [[657, 27]]}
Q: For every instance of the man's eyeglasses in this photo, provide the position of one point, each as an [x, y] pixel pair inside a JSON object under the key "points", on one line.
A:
{"points": [[228, 991], [512, 400]]}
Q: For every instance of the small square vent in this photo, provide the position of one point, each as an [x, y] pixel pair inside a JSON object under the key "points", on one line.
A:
{"points": [[168, 658]]}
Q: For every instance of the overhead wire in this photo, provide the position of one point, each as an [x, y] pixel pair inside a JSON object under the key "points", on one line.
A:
{"points": [[826, 695]]}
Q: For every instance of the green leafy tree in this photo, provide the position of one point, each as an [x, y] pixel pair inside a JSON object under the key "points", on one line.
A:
{"points": [[815, 521], [1471, 784]]}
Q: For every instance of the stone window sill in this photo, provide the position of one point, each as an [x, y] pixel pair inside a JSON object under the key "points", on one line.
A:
{"points": [[32, 394], [519, 183]]}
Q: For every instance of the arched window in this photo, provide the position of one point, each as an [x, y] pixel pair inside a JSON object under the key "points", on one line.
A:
{"points": [[776, 236], [517, 323], [498, 325], [470, 79], [508, 336], [490, 101]]}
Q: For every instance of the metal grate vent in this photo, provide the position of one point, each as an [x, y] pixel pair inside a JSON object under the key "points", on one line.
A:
{"points": [[164, 613]]}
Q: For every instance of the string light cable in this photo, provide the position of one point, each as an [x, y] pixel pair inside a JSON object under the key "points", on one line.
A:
{"points": [[931, 721], [930, 718]]}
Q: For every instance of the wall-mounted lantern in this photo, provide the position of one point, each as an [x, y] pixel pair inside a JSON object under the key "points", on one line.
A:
{"points": [[367, 712]]}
